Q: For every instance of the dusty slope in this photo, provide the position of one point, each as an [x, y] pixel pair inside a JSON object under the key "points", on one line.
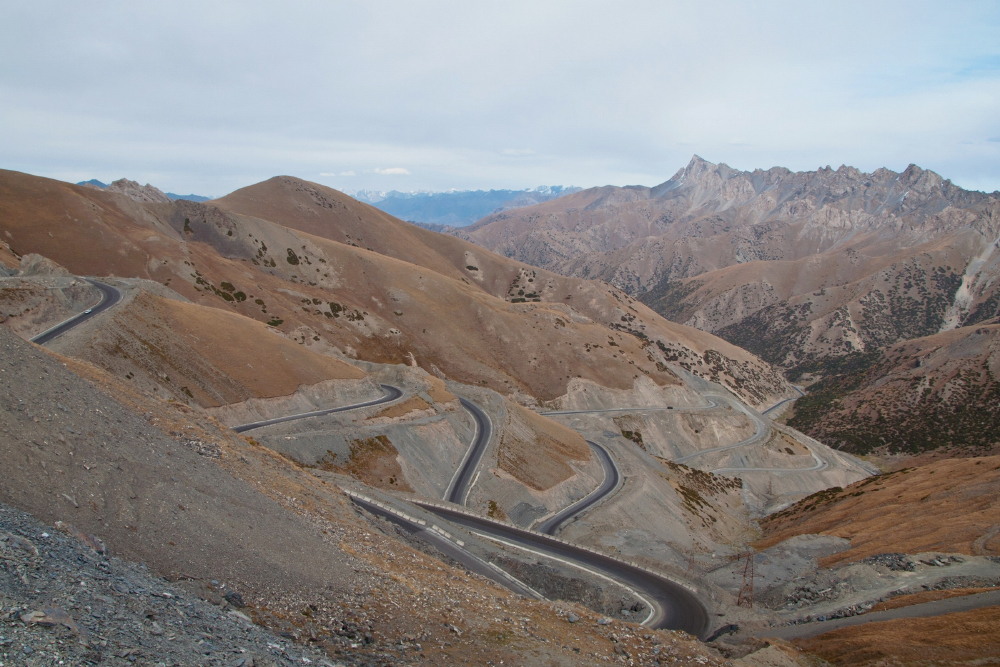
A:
{"points": [[537, 451], [207, 356], [966, 638], [831, 304], [950, 506], [90, 232], [220, 509], [941, 391], [327, 213], [709, 216], [77, 455], [471, 325], [41, 294], [792, 266]]}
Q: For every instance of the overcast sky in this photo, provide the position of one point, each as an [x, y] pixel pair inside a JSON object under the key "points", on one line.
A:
{"points": [[206, 97]]}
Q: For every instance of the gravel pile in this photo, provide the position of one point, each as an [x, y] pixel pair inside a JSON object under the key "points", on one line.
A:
{"points": [[894, 561], [63, 602]]}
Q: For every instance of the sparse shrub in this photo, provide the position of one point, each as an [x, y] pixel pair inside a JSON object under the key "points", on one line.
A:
{"points": [[274, 322], [634, 436]]}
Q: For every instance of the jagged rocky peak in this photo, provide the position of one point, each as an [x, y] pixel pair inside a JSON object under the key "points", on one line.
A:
{"points": [[146, 194]]}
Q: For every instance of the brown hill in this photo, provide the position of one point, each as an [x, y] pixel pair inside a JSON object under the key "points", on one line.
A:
{"points": [[941, 391], [791, 266], [209, 509], [709, 216], [416, 297], [962, 638], [812, 271], [949, 505], [186, 352]]}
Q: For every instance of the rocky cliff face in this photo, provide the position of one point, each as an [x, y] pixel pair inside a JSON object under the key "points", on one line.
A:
{"points": [[815, 272], [708, 217], [793, 266], [146, 194]]}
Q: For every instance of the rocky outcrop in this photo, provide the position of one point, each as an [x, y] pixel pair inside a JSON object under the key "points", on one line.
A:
{"points": [[146, 194]]}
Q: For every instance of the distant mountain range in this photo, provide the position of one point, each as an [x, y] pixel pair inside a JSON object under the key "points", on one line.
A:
{"points": [[457, 208], [826, 273], [170, 195]]}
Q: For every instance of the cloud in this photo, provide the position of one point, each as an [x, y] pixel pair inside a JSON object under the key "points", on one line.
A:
{"points": [[602, 93]]}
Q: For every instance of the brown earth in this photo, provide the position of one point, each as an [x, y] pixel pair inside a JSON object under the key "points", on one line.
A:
{"points": [[924, 596], [964, 638], [374, 461], [536, 450], [416, 303], [438, 392], [206, 355], [8, 259], [809, 270], [412, 404], [951, 506], [162, 484], [941, 391]]}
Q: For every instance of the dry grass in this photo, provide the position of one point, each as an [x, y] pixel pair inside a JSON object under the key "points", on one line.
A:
{"points": [[925, 596], [952, 505], [438, 392], [246, 351], [536, 450], [374, 462], [410, 298], [207, 355], [951, 639], [412, 404]]}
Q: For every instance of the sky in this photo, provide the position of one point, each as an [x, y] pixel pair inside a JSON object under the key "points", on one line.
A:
{"points": [[206, 97]]}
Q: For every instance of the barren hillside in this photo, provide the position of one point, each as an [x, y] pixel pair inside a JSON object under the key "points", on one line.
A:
{"points": [[792, 266], [416, 297], [219, 515], [947, 506], [208, 356], [816, 272]]}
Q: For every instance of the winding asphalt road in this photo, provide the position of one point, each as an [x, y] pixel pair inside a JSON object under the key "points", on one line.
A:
{"points": [[611, 478], [109, 297], [673, 606], [780, 403], [712, 404], [391, 394], [461, 481], [760, 430], [448, 548]]}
